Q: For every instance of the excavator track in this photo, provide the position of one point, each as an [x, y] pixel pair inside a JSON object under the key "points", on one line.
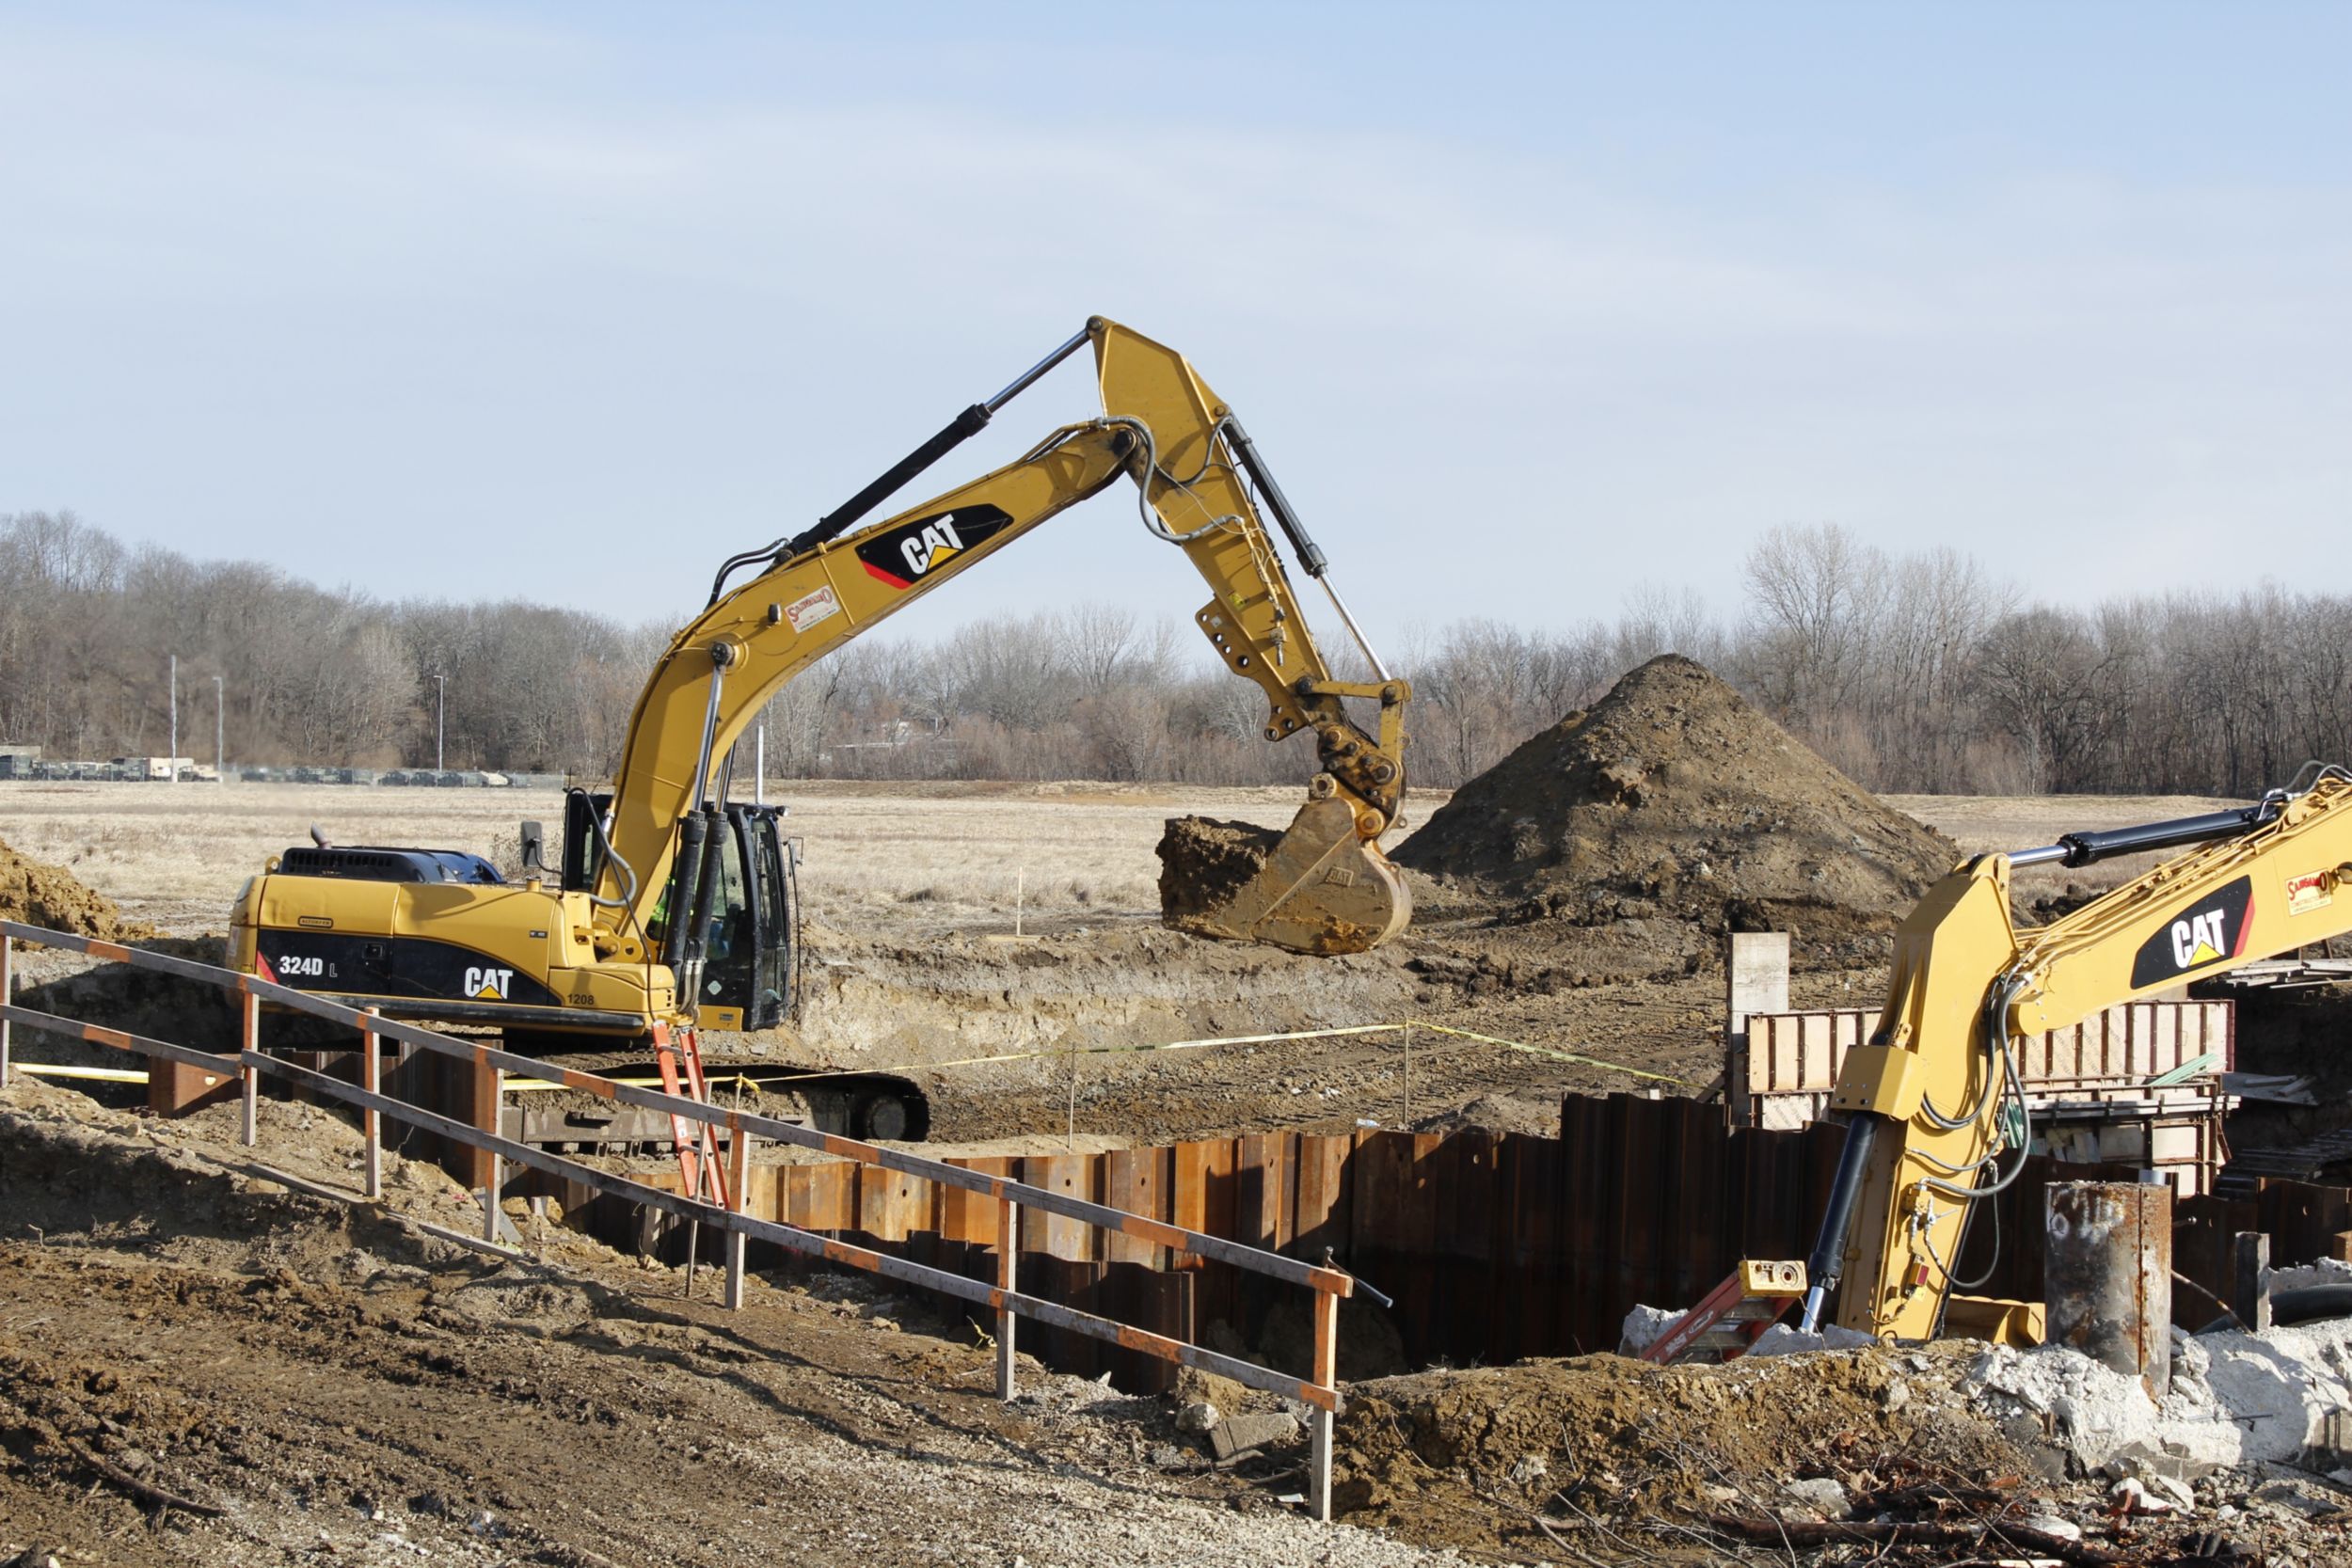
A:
{"points": [[873, 1106]]}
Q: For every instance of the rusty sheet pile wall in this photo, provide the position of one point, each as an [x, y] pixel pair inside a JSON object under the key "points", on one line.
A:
{"points": [[1495, 1247]]}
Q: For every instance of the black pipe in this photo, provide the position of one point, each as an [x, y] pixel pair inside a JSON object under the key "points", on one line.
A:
{"points": [[2085, 847], [1829, 1248], [1310, 554]]}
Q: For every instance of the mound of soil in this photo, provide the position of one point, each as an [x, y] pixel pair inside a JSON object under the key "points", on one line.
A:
{"points": [[1673, 799], [37, 894], [1609, 1446], [1204, 861]]}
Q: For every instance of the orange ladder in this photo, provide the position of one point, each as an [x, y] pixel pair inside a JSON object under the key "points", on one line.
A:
{"points": [[679, 1053]]}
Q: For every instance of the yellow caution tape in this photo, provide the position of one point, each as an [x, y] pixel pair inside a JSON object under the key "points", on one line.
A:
{"points": [[1545, 1051], [743, 1078]]}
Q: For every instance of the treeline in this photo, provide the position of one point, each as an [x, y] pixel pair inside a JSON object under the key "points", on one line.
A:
{"points": [[307, 675], [1913, 672]]}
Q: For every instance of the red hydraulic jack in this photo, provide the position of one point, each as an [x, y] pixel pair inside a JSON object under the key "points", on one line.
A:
{"points": [[679, 1053], [1733, 1315]]}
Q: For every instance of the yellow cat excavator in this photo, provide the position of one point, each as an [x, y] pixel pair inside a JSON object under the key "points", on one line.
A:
{"points": [[1933, 1101], [671, 904]]}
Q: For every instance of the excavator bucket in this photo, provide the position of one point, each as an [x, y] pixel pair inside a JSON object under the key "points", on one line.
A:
{"points": [[1319, 889]]}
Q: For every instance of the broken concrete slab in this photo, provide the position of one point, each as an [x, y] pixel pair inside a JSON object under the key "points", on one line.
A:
{"points": [[1247, 1433], [2237, 1399]]}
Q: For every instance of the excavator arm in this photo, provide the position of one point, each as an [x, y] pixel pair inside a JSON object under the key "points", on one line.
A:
{"points": [[1326, 888], [1935, 1103]]}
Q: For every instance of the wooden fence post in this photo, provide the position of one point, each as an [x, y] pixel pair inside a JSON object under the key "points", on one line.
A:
{"points": [[739, 1185], [252, 1074], [7, 995], [497, 1176], [371, 1120], [1007, 1250], [1326, 1374]]}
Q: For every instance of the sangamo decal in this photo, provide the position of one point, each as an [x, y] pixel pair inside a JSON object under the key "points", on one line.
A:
{"points": [[2210, 931], [2311, 892], [918, 549]]}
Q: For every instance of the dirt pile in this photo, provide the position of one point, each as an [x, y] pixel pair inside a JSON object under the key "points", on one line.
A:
{"points": [[1204, 860], [1672, 799], [39, 894], [1637, 1463]]}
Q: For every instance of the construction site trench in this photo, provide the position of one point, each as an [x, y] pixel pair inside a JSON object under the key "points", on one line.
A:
{"points": [[1512, 1122]]}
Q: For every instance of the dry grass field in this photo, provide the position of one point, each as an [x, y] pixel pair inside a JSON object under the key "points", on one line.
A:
{"points": [[898, 856], [876, 855]]}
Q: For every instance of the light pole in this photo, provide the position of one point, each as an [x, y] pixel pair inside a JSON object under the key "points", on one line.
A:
{"points": [[171, 763], [440, 717], [220, 731]]}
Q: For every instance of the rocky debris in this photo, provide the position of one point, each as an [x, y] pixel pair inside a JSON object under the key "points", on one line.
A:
{"points": [[1645, 1324], [2304, 1277], [2235, 1398], [1204, 860], [1782, 1339], [1236, 1435], [1642, 1326], [1838, 1456], [1824, 1496], [37, 894], [1673, 801], [1609, 1447]]}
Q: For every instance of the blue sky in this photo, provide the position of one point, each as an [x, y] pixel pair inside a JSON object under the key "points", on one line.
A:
{"points": [[1529, 305]]}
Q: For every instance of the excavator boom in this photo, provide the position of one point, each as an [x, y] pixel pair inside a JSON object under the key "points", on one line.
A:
{"points": [[1934, 1100], [1326, 888]]}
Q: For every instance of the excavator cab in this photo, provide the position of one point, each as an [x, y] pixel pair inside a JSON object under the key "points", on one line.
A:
{"points": [[747, 948]]}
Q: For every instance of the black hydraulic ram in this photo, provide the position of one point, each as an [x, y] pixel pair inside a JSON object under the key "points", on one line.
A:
{"points": [[951, 436], [1310, 554], [2083, 849], [1829, 1249], [684, 884]]}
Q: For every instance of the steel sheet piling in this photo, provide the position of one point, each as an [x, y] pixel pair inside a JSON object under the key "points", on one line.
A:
{"points": [[2249, 1283], [2108, 1271]]}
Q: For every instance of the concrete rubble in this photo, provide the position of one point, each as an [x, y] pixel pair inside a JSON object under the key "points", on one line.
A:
{"points": [[2237, 1399]]}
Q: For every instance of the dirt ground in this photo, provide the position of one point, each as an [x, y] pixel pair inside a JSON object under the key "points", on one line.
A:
{"points": [[203, 1362], [341, 1387]]}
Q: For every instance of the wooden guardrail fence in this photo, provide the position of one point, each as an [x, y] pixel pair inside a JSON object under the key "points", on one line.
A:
{"points": [[1008, 1198]]}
